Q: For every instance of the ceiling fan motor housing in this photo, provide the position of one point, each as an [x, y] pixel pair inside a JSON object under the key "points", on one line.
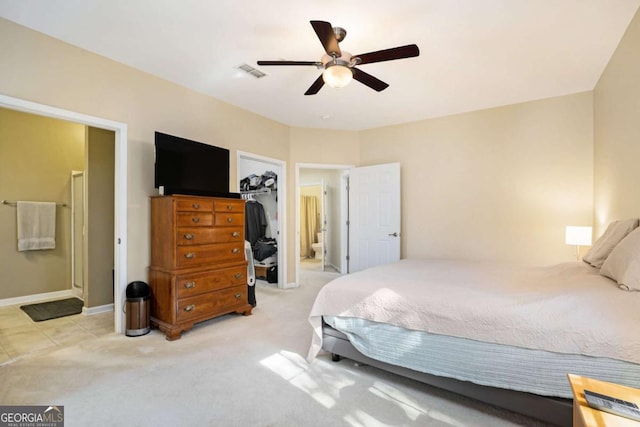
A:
{"points": [[340, 33], [343, 60]]}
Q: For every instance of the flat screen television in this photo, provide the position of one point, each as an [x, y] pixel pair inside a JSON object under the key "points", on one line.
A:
{"points": [[188, 167]]}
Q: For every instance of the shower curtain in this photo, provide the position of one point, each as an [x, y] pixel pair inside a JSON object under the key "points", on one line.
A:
{"points": [[309, 219]]}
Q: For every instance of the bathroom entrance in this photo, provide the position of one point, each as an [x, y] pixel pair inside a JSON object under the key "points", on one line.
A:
{"points": [[321, 218], [313, 224]]}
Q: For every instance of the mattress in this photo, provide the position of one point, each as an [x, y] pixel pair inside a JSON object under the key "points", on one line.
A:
{"points": [[515, 327], [489, 364]]}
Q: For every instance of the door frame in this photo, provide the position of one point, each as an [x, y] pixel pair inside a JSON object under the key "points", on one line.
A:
{"points": [[282, 209], [120, 186], [74, 249], [344, 210]]}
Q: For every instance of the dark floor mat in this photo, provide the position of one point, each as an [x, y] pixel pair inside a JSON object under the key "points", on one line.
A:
{"points": [[53, 309]]}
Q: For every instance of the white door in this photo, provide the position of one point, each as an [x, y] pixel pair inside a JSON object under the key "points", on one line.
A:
{"points": [[374, 216]]}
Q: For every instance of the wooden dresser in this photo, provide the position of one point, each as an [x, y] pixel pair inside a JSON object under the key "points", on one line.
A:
{"points": [[198, 269]]}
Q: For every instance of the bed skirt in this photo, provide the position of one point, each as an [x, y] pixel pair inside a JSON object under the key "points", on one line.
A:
{"points": [[552, 410], [490, 364]]}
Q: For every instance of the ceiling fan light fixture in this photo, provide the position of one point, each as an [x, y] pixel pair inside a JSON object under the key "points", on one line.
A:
{"points": [[339, 67], [337, 73]]}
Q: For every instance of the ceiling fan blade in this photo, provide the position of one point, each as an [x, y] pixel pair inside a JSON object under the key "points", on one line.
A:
{"points": [[290, 63], [368, 80], [327, 37], [400, 52], [315, 87]]}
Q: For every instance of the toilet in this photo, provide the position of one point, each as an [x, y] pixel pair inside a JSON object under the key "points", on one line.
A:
{"points": [[317, 247]]}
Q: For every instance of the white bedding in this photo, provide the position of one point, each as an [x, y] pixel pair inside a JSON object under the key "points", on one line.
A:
{"points": [[566, 308]]}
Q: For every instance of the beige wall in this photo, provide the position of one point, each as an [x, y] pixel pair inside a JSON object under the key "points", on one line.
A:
{"points": [[37, 156], [617, 133], [497, 184], [44, 70]]}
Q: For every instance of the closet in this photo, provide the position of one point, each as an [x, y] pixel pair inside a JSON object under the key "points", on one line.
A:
{"points": [[259, 187]]}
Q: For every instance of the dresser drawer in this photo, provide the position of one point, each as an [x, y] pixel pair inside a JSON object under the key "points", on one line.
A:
{"points": [[194, 219], [228, 205], [194, 204], [193, 284], [219, 302], [228, 219], [200, 236], [190, 256]]}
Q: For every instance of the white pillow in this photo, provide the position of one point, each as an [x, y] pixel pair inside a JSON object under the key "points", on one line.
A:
{"points": [[616, 231], [623, 263]]}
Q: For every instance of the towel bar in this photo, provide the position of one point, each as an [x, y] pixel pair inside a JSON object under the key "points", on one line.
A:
{"points": [[6, 202]]}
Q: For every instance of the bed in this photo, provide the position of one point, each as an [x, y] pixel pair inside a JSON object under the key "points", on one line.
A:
{"points": [[503, 334]]}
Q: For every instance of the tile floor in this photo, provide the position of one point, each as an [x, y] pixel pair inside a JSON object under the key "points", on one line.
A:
{"points": [[19, 335]]}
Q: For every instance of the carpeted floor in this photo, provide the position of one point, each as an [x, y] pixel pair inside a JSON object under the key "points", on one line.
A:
{"points": [[233, 371]]}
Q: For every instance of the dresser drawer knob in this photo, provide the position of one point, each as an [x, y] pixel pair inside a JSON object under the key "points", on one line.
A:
{"points": [[195, 219], [238, 295], [229, 207], [237, 275], [235, 234], [188, 236], [196, 206], [229, 220], [190, 285], [190, 307], [190, 255], [235, 251]]}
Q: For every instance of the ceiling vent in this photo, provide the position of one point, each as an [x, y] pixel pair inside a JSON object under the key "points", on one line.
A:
{"points": [[250, 70]]}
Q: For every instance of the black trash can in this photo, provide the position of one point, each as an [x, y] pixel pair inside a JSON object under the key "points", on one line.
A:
{"points": [[137, 309]]}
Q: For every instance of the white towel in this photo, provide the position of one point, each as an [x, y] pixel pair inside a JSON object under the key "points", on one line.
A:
{"points": [[36, 225]]}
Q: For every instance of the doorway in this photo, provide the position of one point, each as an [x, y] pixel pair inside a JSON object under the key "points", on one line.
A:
{"points": [[120, 186], [328, 184], [262, 180]]}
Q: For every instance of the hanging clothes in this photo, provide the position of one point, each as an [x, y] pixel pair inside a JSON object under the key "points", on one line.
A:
{"points": [[255, 222], [264, 248]]}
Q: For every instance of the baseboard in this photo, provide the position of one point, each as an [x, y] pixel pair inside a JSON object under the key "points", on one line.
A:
{"points": [[289, 285], [28, 299], [96, 310]]}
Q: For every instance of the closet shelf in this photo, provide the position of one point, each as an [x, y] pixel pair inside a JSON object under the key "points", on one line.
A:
{"points": [[258, 191]]}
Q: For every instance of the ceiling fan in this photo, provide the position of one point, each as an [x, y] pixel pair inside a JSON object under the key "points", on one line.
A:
{"points": [[339, 67]]}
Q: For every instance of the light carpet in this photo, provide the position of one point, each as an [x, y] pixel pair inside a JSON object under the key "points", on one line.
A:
{"points": [[233, 371]]}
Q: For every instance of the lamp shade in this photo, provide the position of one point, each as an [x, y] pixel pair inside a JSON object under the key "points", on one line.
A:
{"points": [[578, 235], [337, 76]]}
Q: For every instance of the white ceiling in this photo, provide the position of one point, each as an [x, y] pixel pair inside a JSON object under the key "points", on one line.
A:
{"points": [[474, 54]]}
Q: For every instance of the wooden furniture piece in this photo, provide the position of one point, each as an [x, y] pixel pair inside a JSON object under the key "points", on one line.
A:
{"points": [[198, 269], [261, 272], [585, 416]]}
